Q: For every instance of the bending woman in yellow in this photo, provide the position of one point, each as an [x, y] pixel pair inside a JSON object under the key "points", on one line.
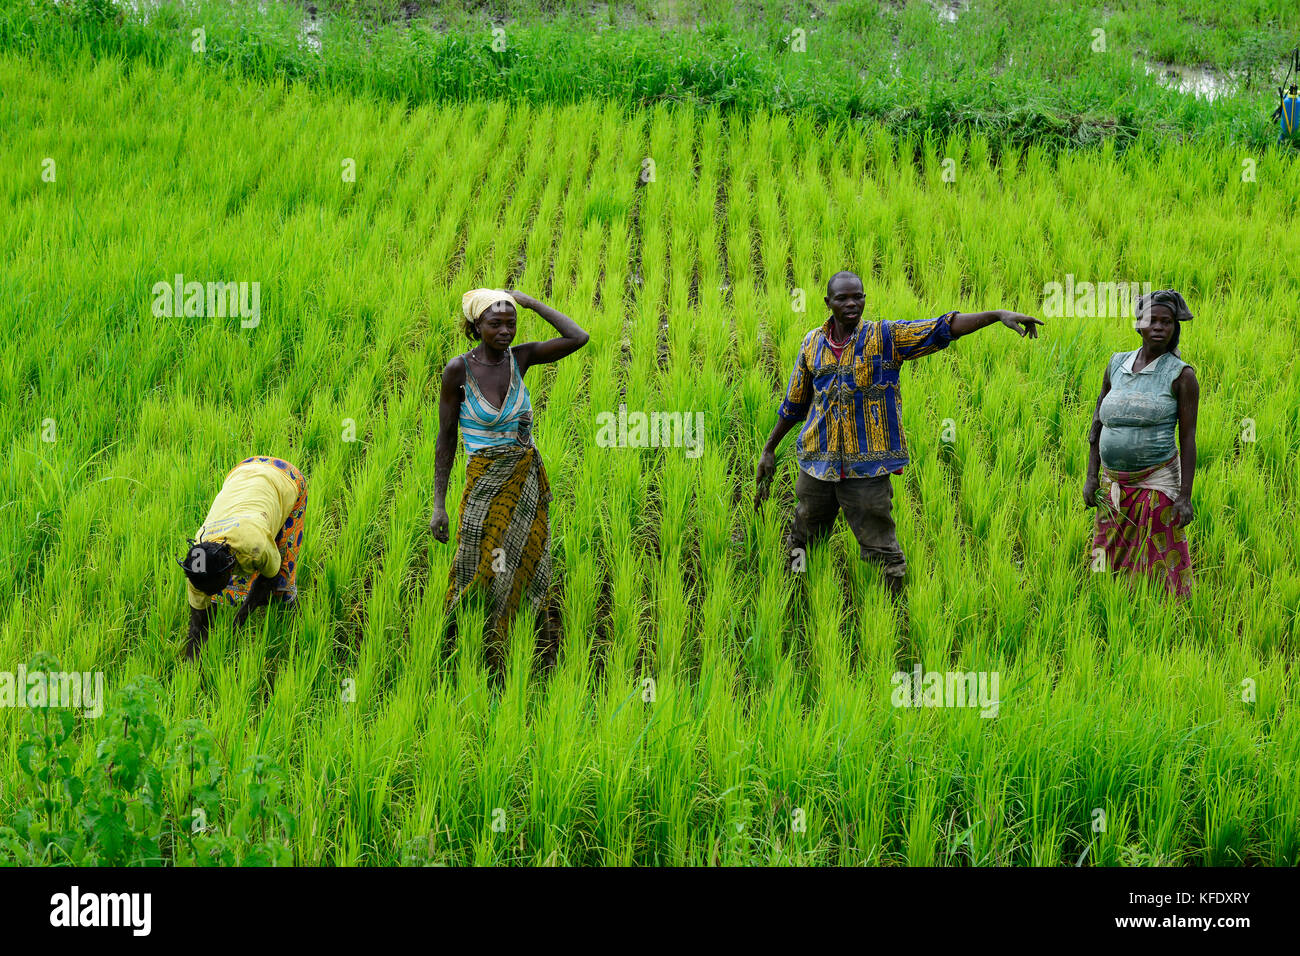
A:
{"points": [[505, 533], [247, 547]]}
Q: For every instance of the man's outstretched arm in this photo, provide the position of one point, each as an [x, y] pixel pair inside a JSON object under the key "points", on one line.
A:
{"points": [[964, 323]]}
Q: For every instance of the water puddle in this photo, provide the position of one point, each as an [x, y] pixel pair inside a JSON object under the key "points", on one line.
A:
{"points": [[309, 31], [950, 10], [138, 9], [1195, 80]]}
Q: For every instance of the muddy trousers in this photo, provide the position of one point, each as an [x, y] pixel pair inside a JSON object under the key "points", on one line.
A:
{"points": [[868, 509]]}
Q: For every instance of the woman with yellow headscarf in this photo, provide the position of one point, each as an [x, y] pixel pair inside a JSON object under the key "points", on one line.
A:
{"points": [[504, 531]]}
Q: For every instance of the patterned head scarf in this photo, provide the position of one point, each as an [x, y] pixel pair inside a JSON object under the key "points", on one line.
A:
{"points": [[1166, 297], [477, 301]]}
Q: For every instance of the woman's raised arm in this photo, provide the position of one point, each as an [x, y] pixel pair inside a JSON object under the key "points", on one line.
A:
{"points": [[572, 336]]}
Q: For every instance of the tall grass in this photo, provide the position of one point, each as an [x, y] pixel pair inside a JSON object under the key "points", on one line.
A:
{"points": [[1015, 71], [705, 699]]}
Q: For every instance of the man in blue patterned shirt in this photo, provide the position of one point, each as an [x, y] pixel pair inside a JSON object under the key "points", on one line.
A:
{"points": [[845, 390]]}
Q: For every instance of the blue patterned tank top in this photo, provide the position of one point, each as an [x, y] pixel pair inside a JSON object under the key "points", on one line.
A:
{"points": [[483, 425]]}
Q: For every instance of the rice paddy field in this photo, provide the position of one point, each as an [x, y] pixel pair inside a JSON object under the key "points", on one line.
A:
{"points": [[708, 706]]}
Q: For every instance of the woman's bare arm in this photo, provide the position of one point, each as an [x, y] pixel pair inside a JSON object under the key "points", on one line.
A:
{"points": [[572, 336], [259, 593], [1188, 391], [198, 632], [1093, 481], [444, 455]]}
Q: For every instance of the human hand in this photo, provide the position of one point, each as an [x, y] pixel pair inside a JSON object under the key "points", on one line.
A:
{"points": [[1090, 488], [523, 299], [1022, 324], [440, 525], [763, 477]]}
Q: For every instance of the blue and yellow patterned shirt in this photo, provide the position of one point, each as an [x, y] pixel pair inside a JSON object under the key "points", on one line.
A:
{"points": [[854, 426]]}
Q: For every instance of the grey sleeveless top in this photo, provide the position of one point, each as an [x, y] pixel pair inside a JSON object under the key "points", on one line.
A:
{"points": [[1139, 415]]}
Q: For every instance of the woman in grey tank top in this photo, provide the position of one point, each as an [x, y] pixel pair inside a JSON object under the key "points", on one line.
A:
{"points": [[1139, 478]]}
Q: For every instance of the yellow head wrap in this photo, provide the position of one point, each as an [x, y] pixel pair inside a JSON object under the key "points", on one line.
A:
{"points": [[477, 301]]}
